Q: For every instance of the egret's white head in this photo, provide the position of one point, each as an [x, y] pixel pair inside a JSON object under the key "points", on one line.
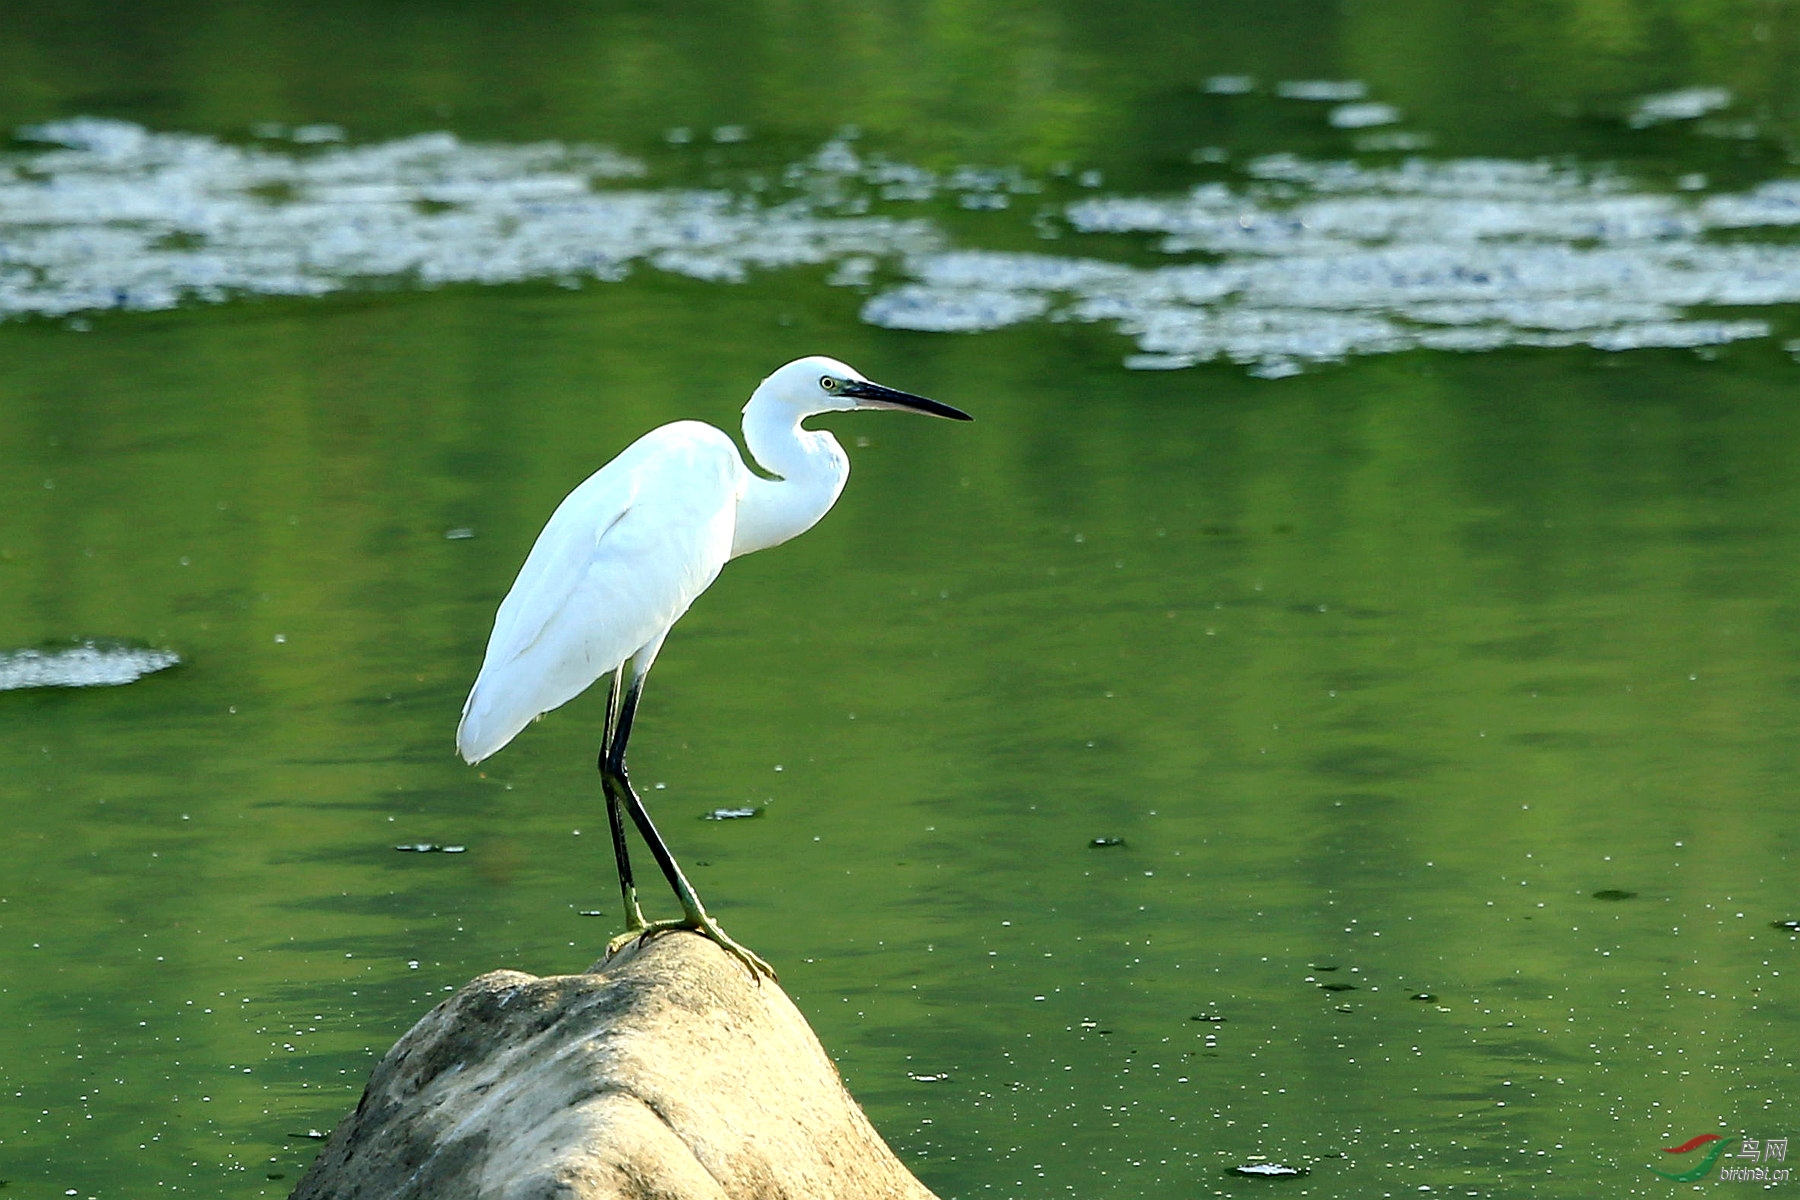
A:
{"points": [[819, 384]]}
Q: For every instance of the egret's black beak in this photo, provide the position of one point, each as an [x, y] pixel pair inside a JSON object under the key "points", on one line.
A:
{"points": [[874, 395]]}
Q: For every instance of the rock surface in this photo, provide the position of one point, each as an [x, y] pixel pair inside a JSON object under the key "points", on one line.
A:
{"points": [[667, 1072]]}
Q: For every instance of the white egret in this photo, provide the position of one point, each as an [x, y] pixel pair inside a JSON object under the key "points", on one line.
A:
{"points": [[626, 553]]}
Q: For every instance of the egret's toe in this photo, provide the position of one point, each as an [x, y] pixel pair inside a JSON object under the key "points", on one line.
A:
{"points": [[751, 959]]}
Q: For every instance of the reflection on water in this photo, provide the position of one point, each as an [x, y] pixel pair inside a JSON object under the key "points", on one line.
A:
{"points": [[1383, 772], [1391, 669]]}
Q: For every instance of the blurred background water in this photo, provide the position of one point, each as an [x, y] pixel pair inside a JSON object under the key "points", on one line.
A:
{"points": [[1365, 747]]}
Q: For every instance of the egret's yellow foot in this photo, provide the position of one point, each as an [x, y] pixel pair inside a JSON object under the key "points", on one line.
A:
{"points": [[744, 954], [706, 927], [624, 939]]}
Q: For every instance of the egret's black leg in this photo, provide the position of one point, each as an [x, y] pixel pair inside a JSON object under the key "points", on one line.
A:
{"points": [[695, 916], [634, 915]]}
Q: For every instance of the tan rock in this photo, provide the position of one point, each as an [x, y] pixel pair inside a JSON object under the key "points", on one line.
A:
{"points": [[668, 1073]]}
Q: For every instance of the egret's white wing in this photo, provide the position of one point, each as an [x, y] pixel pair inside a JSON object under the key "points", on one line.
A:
{"points": [[618, 563]]}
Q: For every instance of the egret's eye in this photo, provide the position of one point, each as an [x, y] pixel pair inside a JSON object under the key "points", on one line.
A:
{"points": [[828, 383]]}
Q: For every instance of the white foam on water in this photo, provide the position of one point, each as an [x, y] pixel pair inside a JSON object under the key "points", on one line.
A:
{"points": [[953, 309], [1363, 115], [1296, 261], [1683, 104], [87, 665], [119, 217], [1230, 85], [1329, 90], [1313, 261]]}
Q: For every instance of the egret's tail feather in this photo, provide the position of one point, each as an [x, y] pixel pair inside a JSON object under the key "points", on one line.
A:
{"points": [[479, 735]]}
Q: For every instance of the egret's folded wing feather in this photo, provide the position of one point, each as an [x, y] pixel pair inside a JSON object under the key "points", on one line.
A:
{"points": [[618, 563]]}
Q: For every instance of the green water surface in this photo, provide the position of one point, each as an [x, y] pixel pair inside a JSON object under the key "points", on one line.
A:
{"points": [[1443, 707]]}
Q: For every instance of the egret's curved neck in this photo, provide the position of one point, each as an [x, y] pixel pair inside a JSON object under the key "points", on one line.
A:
{"points": [[812, 469]]}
